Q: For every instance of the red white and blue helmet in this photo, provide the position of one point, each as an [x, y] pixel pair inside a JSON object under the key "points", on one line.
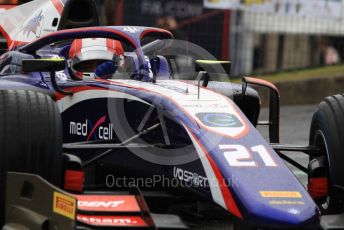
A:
{"points": [[85, 54]]}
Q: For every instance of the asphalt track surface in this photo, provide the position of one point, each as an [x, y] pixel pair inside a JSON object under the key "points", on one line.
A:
{"points": [[294, 129]]}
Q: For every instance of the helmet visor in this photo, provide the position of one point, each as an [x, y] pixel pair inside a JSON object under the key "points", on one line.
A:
{"points": [[88, 66]]}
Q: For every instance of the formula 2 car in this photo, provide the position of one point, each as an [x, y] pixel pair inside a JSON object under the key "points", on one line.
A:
{"points": [[157, 127]]}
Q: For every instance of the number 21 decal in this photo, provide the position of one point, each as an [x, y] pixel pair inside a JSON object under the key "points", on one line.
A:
{"points": [[240, 156]]}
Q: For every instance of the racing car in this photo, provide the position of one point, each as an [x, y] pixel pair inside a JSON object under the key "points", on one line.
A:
{"points": [[76, 148]]}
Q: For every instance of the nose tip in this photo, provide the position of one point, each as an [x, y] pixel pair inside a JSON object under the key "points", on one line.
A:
{"points": [[293, 217]]}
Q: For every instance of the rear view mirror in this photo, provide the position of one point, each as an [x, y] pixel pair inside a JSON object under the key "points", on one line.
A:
{"points": [[47, 65], [43, 65], [213, 66]]}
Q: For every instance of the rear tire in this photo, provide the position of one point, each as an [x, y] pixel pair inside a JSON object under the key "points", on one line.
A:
{"points": [[30, 137], [327, 134]]}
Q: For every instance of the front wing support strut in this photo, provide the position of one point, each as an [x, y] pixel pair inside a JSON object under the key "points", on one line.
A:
{"points": [[274, 105]]}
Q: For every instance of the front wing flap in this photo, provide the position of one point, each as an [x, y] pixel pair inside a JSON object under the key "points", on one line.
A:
{"points": [[34, 203]]}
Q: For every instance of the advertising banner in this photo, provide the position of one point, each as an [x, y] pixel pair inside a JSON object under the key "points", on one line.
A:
{"points": [[222, 4], [326, 9]]}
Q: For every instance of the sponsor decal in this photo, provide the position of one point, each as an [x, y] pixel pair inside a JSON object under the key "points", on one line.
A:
{"points": [[206, 106], [78, 128], [124, 203], [33, 24], [49, 30], [64, 205], [286, 202], [176, 89], [61, 75], [190, 177], [280, 194], [96, 131], [100, 204], [219, 119], [128, 221], [130, 29]]}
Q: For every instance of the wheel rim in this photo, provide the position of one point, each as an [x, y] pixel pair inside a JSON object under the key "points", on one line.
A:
{"points": [[320, 143]]}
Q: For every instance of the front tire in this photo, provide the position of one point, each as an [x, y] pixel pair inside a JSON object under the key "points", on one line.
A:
{"points": [[327, 135], [30, 137]]}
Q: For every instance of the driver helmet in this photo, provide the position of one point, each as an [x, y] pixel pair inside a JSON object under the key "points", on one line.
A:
{"points": [[86, 54]]}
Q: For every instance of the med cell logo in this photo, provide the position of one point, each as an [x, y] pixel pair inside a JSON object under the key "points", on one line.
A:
{"points": [[219, 120], [99, 131]]}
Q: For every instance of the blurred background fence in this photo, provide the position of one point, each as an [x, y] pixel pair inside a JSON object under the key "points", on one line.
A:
{"points": [[262, 40], [258, 36]]}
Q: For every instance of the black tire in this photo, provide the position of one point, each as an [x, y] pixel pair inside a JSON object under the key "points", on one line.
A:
{"points": [[327, 134], [30, 137]]}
